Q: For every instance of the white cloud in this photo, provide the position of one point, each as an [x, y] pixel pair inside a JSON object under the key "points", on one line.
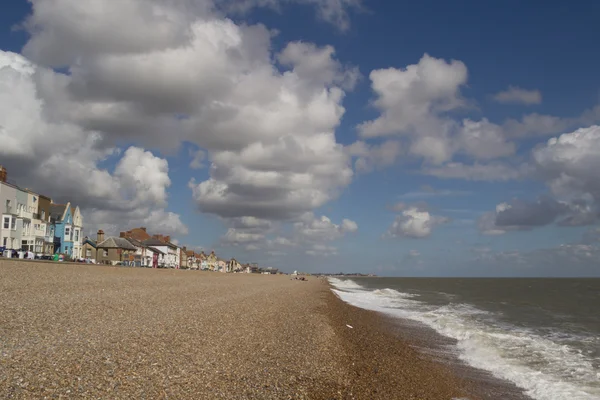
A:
{"points": [[249, 231], [184, 72], [410, 99], [321, 250], [372, 157], [495, 171], [316, 66], [198, 157], [312, 229], [414, 223], [415, 102], [568, 165], [484, 141], [335, 12], [517, 95], [59, 159]]}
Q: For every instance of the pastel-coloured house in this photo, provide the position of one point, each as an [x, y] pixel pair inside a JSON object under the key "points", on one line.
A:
{"points": [[68, 226]]}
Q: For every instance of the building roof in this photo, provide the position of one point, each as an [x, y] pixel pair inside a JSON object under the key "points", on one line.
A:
{"points": [[135, 242], [57, 211], [138, 234], [116, 243], [156, 242], [90, 241], [154, 249]]}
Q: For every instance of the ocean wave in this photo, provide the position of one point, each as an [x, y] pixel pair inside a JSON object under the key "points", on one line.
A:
{"points": [[546, 369]]}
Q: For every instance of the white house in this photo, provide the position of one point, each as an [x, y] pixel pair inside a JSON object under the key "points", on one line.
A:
{"points": [[77, 232], [10, 231], [171, 252]]}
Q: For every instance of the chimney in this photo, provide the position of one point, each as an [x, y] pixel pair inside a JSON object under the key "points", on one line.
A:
{"points": [[122, 234], [100, 236], [184, 249], [168, 239], [3, 174]]}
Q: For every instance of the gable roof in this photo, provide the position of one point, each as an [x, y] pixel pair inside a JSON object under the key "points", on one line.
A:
{"points": [[154, 249], [89, 241], [135, 242], [156, 242], [116, 243], [57, 211]]}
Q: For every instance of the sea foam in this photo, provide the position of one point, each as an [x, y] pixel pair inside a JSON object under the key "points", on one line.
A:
{"points": [[544, 368]]}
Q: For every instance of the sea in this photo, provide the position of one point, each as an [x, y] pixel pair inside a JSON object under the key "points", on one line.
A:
{"points": [[542, 335]]}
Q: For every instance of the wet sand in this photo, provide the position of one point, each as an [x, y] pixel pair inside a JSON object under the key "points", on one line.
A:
{"points": [[83, 331]]}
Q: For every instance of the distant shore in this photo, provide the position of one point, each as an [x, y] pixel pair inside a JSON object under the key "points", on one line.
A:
{"points": [[83, 331]]}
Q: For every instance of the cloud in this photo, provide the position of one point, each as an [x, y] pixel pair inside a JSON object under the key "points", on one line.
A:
{"points": [[408, 98], [522, 215], [321, 250], [59, 159], [248, 231], [483, 140], [414, 223], [516, 95], [566, 260], [309, 234], [373, 157], [416, 103], [495, 171], [335, 12], [535, 125], [317, 65], [568, 164], [427, 191], [321, 229], [198, 157], [186, 73]]}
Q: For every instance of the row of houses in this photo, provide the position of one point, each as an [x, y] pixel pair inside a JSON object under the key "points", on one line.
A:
{"points": [[138, 248], [33, 222]]}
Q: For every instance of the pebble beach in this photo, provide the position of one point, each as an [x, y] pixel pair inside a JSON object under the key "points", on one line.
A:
{"points": [[96, 332]]}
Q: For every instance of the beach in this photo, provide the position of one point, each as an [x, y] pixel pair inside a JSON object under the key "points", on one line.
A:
{"points": [[87, 331]]}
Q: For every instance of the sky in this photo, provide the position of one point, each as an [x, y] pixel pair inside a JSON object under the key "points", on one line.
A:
{"points": [[397, 138]]}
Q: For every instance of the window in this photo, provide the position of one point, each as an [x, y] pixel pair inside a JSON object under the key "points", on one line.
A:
{"points": [[43, 214], [13, 225], [67, 232], [4, 242], [76, 235], [6, 224], [88, 253], [105, 253]]}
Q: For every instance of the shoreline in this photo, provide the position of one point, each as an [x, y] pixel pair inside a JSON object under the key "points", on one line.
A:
{"points": [[385, 366], [399, 342], [81, 331]]}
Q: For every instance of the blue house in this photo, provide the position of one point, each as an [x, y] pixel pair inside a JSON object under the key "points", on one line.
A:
{"points": [[62, 219]]}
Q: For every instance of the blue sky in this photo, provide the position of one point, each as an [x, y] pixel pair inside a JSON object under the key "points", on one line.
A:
{"points": [[409, 207]]}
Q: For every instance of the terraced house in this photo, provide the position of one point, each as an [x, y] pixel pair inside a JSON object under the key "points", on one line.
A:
{"points": [[26, 218], [68, 227]]}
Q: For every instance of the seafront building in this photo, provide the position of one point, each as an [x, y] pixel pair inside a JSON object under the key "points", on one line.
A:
{"points": [[32, 222]]}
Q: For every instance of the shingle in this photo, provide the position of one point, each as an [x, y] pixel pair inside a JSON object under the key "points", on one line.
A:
{"points": [[116, 243]]}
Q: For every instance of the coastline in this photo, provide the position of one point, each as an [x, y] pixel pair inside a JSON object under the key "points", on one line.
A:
{"points": [[81, 331], [408, 354], [385, 366]]}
